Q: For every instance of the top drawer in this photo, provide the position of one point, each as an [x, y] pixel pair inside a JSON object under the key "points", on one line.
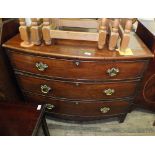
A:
{"points": [[77, 69]]}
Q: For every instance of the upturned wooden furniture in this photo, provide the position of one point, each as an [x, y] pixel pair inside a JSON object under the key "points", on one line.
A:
{"points": [[78, 81], [8, 90], [22, 119], [114, 32], [52, 28], [146, 97]]}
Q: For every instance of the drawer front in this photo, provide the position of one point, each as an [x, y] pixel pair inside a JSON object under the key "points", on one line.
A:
{"points": [[70, 90], [80, 108], [82, 70]]}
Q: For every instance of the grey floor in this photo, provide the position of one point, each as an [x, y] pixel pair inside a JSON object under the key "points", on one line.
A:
{"points": [[137, 123]]}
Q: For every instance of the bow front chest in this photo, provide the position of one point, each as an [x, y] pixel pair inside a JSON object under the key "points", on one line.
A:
{"points": [[76, 80]]}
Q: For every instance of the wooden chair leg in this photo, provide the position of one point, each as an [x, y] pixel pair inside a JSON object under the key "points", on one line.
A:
{"points": [[125, 34], [24, 33], [45, 127], [132, 107], [46, 31], [113, 34], [102, 33], [35, 30], [122, 118]]}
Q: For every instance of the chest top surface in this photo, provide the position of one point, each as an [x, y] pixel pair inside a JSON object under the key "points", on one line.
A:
{"points": [[82, 49]]}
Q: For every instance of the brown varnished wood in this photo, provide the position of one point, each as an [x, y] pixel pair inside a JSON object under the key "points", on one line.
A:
{"points": [[86, 70], [81, 108], [8, 90], [19, 119], [146, 31], [74, 90], [76, 49], [146, 97], [76, 73], [9, 29]]}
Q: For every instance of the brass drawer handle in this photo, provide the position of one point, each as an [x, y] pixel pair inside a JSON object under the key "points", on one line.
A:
{"points": [[113, 71], [104, 110], [109, 91], [45, 89], [41, 66], [50, 106]]}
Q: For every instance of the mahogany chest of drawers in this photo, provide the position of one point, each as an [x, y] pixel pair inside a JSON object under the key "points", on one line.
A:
{"points": [[76, 80]]}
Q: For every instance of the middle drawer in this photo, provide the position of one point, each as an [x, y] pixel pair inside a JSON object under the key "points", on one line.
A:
{"points": [[77, 90]]}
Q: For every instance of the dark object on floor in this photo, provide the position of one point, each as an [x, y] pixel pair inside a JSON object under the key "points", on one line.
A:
{"points": [[22, 119]]}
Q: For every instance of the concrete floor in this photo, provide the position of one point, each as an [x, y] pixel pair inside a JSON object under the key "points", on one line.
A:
{"points": [[137, 123]]}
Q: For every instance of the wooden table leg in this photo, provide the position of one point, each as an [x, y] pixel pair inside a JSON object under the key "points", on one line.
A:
{"points": [[45, 127], [131, 108], [122, 118]]}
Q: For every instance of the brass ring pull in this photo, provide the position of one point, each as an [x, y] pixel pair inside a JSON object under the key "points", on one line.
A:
{"points": [[41, 66], [109, 91], [45, 89], [50, 106], [104, 110], [113, 72]]}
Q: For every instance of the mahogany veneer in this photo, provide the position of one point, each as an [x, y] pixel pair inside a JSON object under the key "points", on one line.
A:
{"points": [[77, 69], [146, 95], [8, 90], [82, 110], [76, 91], [18, 119], [77, 80]]}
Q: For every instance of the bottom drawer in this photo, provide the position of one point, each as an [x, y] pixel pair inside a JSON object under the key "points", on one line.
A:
{"points": [[80, 108]]}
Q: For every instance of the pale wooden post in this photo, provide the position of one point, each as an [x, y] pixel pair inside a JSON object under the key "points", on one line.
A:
{"points": [[126, 35], [36, 34], [46, 31], [56, 23], [114, 35], [102, 33], [24, 33]]}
